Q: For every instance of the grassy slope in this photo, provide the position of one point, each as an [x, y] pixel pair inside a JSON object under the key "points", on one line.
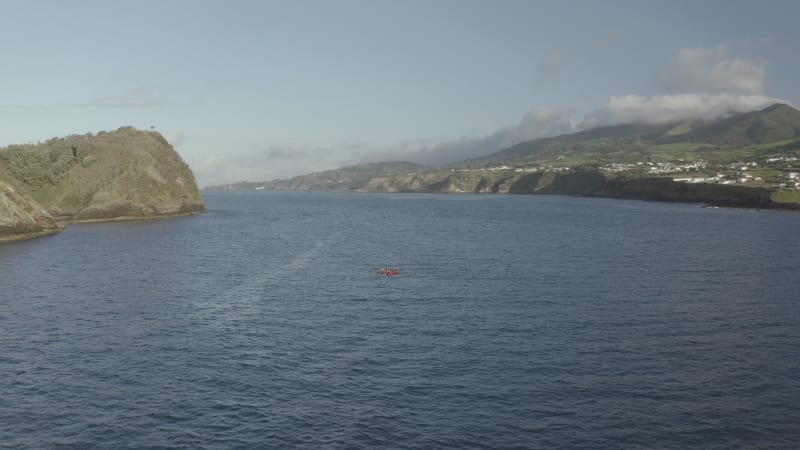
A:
{"points": [[757, 134], [346, 178], [351, 177], [125, 172]]}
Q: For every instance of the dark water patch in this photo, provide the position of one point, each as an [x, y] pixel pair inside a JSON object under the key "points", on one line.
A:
{"points": [[515, 322]]}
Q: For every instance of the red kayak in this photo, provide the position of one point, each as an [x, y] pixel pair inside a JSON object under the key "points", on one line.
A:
{"points": [[388, 272]]}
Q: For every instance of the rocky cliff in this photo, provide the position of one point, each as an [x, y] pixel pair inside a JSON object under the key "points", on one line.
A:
{"points": [[588, 183], [21, 217], [115, 175], [345, 179], [443, 181]]}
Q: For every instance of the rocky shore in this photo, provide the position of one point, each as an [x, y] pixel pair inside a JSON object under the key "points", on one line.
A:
{"points": [[588, 183], [22, 218]]}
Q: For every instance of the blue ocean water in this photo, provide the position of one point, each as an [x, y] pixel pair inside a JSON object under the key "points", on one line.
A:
{"points": [[515, 322]]}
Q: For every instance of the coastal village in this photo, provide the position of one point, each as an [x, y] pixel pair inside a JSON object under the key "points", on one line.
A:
{"points": [[776, 172]]}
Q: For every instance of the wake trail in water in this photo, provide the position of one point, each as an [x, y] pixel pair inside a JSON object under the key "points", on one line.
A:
{"points": [[257, 280]]}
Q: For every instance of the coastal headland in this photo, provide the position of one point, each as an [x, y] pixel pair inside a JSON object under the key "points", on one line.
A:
{"points": [[125, 174]]}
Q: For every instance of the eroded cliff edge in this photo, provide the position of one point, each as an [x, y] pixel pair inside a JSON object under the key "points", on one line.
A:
{"points": [[22, 218], [123, 174], [589, 183]]}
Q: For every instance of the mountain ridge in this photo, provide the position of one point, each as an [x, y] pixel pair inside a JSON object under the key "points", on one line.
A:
{"points": [[777, 122], [343, 179]]}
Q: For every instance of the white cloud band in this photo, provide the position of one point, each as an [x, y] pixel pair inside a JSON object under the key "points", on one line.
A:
{"points": [[672, 108], [710, 70]]}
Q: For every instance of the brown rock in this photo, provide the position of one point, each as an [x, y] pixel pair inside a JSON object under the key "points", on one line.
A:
{"points": [[21, 217]]}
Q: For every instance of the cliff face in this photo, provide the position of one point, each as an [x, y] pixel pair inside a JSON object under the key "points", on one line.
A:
{"points": [[444, 181], [112, 175], [21, 217], [664, 189], [587, 183], [345, 179]]}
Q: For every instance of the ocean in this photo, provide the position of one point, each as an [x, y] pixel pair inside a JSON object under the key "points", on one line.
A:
{"points": [[514, 322]]}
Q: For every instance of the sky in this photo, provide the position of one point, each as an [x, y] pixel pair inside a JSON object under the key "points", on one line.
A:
{"points": [[257, 90]]}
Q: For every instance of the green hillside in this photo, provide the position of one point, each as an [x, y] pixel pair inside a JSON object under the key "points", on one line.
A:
{"points": [[344, 179], [757, 134], [108, 175]]}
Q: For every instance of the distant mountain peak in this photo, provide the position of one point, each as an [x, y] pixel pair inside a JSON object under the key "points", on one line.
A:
{"points": [[778, 122], [779, 107]]}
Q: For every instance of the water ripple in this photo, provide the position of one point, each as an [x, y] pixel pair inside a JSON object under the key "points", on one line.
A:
{"points": [[516, 322]]}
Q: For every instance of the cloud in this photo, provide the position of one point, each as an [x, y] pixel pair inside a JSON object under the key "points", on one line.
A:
{"points": [[540, 122], [289, 152], [701, 84], [207, 167], [288, 160], [272, 162], [133, 98], [121, 102], [604, 41], [550, 67], [711, 70], [212, 169], [175, 139], [136, 97], [670, 108]]}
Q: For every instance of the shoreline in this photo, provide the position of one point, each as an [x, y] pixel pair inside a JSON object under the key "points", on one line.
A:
{"points": [[706, 203], [62, 224], [130, 218], [28, 236]]}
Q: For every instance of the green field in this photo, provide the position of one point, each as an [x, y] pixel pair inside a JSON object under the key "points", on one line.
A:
{"points": [[786, 196]]}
